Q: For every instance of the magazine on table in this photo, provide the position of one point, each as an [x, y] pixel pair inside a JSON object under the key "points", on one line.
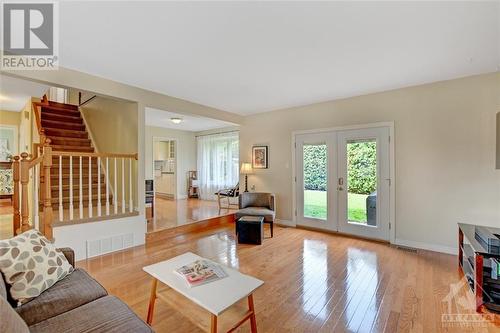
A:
{"points": [[200, 272]]}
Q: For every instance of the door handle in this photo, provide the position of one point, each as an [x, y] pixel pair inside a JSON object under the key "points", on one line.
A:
{"points": [[340, 188]]}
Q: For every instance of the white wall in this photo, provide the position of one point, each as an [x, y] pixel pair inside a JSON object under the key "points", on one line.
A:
{"points": [[185, 154], [445, 153], [76, 236]]}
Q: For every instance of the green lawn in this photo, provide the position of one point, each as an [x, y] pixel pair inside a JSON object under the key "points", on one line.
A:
{"points": [[315, 205]]}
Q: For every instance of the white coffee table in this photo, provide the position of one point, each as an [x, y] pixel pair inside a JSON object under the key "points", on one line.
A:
{"points": [[215, 297]]}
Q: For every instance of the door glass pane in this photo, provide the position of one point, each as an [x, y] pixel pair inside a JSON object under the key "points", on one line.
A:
{"points": [[362, 182], [315, 180]]}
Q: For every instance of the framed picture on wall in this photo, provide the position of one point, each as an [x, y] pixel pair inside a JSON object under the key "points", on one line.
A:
{"points": [[260, 157]]}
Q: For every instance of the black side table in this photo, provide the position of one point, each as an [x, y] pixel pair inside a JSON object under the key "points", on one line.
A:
{"points": [[250, 229]]}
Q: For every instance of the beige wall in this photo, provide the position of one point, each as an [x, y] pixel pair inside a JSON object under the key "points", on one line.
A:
{"points": [[113, 126], [444, 153], [185, 154], [10, 118]]}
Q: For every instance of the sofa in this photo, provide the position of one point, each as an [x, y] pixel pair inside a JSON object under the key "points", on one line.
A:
{"points": [[257, 204], [77, 303]]}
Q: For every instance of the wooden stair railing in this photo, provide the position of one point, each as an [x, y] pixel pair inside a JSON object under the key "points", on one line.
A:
{"points": [[39, 167]]}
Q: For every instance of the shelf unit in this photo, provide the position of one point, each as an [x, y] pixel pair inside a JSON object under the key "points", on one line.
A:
{"points": [[193, 184], [474, 261]]}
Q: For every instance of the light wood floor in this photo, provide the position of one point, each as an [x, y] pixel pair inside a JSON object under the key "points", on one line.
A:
{"points": [[6, 211], [314, 282], [175, 213]]}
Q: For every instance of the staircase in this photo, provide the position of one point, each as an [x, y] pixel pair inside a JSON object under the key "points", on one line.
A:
{"points": [[65, 181], [64, 126]]}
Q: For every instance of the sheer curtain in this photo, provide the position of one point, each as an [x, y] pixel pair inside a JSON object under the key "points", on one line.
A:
{"points": [[218, 163]]}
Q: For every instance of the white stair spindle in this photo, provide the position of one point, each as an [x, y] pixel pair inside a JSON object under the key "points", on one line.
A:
{"points": [[123, 185], [107, 186], [90, 187], [80, 190], [71, 187], [61, 215], [130, 200], [36, 207], [99, 186], [115, 199]]}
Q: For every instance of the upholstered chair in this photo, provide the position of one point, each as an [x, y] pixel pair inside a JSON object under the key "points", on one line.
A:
{"points": [[257, 204]]}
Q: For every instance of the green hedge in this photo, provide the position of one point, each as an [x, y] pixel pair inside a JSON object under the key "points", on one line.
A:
{"points": [[362, 173]]}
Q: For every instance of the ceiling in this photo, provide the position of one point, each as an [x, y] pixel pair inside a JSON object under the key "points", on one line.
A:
{"points": [[160, 118], [248, 57], [15, 93]]}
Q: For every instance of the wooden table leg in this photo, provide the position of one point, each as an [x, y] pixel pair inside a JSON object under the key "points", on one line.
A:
{"points": [[152, 299], [253, 321], [213, 324]]}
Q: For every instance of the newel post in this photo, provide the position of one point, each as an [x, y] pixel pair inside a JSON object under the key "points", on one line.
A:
{"points": [[25, 178], [47, 199], [16, 220]]}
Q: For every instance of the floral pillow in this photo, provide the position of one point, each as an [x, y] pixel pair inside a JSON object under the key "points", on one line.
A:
{"points": [[31, 264]]}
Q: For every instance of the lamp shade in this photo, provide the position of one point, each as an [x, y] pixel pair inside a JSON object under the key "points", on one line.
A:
{"points": [[246, 168]]}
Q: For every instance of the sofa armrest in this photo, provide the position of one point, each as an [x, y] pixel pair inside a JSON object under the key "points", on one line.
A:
{"points": [[69, 254], [272, 202]]}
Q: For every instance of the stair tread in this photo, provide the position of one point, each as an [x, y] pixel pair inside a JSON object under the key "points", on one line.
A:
{"points": [[58, 137], [62, 124], [62, 117], [72, 148], [46, 107], [63, 105], [66, 186], [63, 130]]}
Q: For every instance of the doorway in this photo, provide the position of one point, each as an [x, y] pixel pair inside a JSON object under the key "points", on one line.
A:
{"points": [[343, 181], [164, 168]]}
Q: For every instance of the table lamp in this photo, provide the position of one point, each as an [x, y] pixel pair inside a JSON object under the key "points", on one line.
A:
{"points": [[246, 169]]}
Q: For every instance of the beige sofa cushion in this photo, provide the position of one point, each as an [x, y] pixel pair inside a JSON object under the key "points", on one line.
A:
{"points": [[107, 315], [31, 264], [73, 291]]}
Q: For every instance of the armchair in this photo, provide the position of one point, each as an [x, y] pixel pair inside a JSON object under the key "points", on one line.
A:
{"points": [[228, 193], [257, 204]]}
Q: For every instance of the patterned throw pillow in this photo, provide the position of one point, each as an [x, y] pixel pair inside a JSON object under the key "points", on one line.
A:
{"points": [[31, 264]]}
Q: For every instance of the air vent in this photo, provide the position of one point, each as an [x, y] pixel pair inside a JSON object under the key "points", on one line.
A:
{"points": [[407, 249], [110, 244]]}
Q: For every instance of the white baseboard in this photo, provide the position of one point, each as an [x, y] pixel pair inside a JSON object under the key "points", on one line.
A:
{"points": [[285, 223], [427, 246], [181, 197]]}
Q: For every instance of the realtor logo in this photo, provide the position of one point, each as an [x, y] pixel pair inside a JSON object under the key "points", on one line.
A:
{"points": [[29, 36]]}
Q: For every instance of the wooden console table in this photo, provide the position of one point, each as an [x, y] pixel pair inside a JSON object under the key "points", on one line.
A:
{"points": [[473, 258]]}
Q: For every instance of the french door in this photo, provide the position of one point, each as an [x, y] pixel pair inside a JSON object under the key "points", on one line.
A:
{"points": [[343, 181]]}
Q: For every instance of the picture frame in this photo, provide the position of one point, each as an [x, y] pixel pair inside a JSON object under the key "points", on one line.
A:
{"points": [[260, 157]]}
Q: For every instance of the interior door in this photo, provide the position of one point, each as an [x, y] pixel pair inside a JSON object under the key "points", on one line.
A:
{"points": [[363, 182], [315, 180]]}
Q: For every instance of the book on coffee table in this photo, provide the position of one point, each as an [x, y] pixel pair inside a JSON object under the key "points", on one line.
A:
{"points": [[200, 272]]}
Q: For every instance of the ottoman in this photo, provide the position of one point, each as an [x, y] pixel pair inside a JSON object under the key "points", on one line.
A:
{"points": [[250, 229]]}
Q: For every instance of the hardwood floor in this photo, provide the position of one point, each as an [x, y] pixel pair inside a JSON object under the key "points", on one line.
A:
{"points": [[175, 213], [6, 211], [314, 282]]}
